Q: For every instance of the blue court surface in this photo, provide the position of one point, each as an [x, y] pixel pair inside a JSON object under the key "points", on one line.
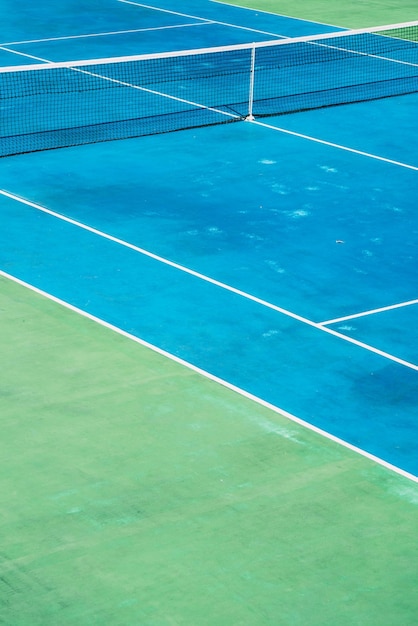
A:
{"points": [[279, 256], [74, 30]]}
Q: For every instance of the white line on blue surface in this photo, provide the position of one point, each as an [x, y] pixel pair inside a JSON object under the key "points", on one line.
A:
{"points": [[106, 34], [210, 280], [333, 145], [210, 376], [276, 14], [24, 54], [153, 8], [196, 17], [390, 307]]}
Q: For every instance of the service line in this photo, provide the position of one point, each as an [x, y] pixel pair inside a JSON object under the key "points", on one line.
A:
{"points": [[106, 34], [371, 312]]}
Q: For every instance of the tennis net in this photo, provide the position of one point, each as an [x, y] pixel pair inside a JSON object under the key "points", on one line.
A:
{"points": [[53, 105]]}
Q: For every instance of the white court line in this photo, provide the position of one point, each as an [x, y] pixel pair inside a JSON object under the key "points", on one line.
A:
{"points": [[332, 145], [116, 32], [146, 6], [288, 17], [26, 55], [216, 379], [211, 281], [371, 312], [196, 17]]}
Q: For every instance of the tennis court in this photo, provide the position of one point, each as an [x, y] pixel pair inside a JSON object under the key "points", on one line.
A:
{"points": [[209, 393]]}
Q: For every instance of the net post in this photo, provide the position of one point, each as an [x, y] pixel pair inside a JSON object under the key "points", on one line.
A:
{"points": [[250, 116]]}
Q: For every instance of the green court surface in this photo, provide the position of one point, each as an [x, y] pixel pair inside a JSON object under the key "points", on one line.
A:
{"points": [[135, 491], [350, 13]]}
